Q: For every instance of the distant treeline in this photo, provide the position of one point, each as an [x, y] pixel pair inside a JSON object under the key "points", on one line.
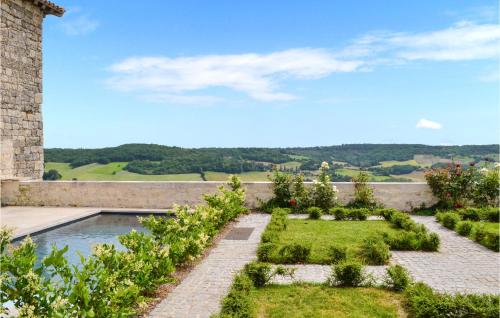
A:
{"points": [[157, 159]]}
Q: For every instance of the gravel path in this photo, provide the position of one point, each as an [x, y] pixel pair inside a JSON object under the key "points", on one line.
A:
{"points": [[200, 293], [460, 265]]}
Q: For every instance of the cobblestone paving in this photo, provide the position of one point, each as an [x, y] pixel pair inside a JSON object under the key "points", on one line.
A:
{"points": [[330, 217], [320, 273], [460, 265], [200, 293]]}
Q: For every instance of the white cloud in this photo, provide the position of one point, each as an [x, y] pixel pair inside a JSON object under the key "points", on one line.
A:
{"points": [[428, 124], [260, 76], [462, 41], [257, 75], [199, 100], [77, 24]]}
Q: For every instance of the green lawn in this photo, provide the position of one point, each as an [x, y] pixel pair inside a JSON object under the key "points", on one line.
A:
{"points": [[316, 301], [113, 172], [321, 234], [355, 172]]}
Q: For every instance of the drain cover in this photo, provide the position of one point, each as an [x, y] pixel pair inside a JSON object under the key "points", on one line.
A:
{"points": [[239, 233]]}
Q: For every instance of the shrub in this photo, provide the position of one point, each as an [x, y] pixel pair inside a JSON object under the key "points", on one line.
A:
{"points": [[237, 303], [294, 253], [51, 175], [430, 242], [324, 195], [491, 214], [300, 195], [464, 228], [487, 239], [363, 193], [339, 213], [360, 214], [259, 273], [403, 241], [387, 213], [262, 273], [471, 214], [398, 278], [337, 254], [486, 190], [423, 302], [281, 188], [374, 251], [450, 220], [314, 213], [453, 185], [347, 273], [278, 223], [264, 251]]}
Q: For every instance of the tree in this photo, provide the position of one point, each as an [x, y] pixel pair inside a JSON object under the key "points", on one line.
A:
{"points": [[52, 175]]}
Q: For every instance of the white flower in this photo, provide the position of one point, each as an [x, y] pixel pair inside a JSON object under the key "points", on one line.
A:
{"points": [[335, 189], [497, 164], [483, 170], [324, 165]]}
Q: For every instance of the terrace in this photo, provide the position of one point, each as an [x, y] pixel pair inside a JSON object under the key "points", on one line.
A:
{"points": [[166, 236]]}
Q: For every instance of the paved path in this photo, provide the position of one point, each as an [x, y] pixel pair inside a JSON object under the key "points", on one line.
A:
{"points": [[320, 273], [329, 217], [461, 265], [200, 293]]}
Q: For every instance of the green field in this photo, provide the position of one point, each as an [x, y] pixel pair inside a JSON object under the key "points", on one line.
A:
{"points": [[319, 301], [396, 163], [113, 172], [245, 176]]}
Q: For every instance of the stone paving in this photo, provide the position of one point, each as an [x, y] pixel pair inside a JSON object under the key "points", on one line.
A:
{"points": [[200, 293], [460, 265], [320, 273]]}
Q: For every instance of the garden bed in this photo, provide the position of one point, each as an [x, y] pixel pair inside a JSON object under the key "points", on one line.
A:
{"points": [[321, 234], [309, 300]]}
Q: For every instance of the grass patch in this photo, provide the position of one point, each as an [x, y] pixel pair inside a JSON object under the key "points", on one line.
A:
{"points": [[321, 234], [307, 300], [113, 172], [245, 176], [391, 163]]}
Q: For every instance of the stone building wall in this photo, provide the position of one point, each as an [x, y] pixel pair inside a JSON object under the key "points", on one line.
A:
{"points": [[158, 195], [21, 133]]}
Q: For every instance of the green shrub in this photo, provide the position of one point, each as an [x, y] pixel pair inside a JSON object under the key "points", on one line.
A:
{"points": [[294, 253], [314, 213], [487, 239], [450, 220], [471, 214], [423, 302], [492, 214], [387, 213], [259, 273], [347, 273], [300, 200], [398, 278], [464, 228], [403, 241], [360, 214], [264, 251], [363, 193], [262, 273], [237, 302], [339, 213], [374, 251], [337, 254], [429, 242], [486, 190]]}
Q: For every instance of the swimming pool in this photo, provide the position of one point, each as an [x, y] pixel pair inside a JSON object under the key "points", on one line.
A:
{"points": [[81, 235]]}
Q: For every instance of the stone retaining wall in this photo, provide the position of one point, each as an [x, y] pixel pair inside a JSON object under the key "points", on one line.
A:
{"points": [[157, 195]]}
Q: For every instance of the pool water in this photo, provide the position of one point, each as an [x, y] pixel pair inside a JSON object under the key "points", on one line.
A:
{"points": [[80, 236]]}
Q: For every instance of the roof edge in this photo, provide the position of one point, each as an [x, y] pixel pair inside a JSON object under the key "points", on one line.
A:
{"points": [[49, 7]]}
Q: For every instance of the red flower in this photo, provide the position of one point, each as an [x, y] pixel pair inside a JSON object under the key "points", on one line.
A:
{"points": [[458, 205], [458, 165], [293, 202]]}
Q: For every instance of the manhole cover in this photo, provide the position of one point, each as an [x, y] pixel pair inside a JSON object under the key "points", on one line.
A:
{"points": [[239, 233]]}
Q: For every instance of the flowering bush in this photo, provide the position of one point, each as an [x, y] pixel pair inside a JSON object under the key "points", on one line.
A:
{"points": [[111, 283], [457, 186], [324, 195]]}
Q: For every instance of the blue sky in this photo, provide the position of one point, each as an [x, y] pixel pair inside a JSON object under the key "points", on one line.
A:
{"points": [[271, 73]]}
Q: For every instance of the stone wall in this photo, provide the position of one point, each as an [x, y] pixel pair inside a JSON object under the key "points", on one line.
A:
{"points": [[21, 134], [157, 195]]}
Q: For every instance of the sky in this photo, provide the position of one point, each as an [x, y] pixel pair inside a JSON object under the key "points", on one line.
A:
{"points": [[271, 73]]}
